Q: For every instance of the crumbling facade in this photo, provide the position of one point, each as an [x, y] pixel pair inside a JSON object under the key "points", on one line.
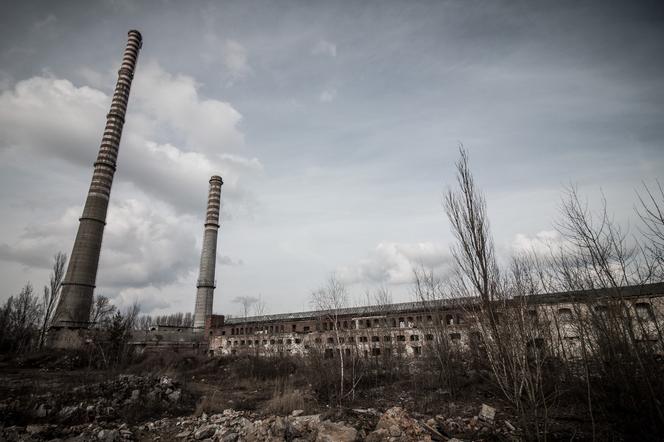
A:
{"points": [[75, 303], [409, 328], [206, 279]]}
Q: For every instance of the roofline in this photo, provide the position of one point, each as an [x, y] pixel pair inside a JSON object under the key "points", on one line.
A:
{"points": [[419, 306]]}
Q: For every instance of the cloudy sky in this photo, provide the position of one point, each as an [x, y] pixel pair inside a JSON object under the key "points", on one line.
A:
{"points": [[335, 126]]}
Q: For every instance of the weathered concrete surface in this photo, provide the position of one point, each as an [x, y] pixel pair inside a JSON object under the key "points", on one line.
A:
{"points": [[73, 309], [206, 282]]}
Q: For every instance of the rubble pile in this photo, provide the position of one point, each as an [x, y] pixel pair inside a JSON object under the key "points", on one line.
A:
{"points": [[118, 399], [395, 425], [124, 409]]}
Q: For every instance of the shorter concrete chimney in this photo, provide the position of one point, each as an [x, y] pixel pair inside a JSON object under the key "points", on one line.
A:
{"points": [[206, 282]]}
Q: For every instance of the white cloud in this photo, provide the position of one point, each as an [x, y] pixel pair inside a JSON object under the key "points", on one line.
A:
{"points": [[393, 263], [172, 104], [162, 107], [328, 95], [173, 141], [540, 243], [324, 47]]}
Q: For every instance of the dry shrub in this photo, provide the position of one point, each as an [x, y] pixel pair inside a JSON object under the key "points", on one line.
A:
{"points": [[286, 401], [212, 403]]}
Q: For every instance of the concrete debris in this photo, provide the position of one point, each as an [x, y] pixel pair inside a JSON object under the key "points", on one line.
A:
{"points": [[487, 414], [335, 432], [99, 412]]}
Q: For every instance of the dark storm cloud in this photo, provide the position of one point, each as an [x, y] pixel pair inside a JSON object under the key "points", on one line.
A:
{"points": [[334, 124]]}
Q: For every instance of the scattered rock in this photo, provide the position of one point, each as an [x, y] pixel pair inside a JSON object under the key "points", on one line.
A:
{"points": [[175, 396], [36, 429], [487, 414], [205, 431], [333, 432], [396, 419]]}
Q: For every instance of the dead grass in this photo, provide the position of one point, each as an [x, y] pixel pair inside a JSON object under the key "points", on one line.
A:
{"points": [[285, 400]]}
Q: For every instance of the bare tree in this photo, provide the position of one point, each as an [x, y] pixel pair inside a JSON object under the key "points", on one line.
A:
{"points": [[52, 293], [430, 291], [497, 305], [246, 302], [102, 310], [618, 342], [19, 321], [329, 299], [651, 213]]}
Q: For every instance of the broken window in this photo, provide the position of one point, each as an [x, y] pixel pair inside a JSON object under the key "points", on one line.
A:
{"points": [[294, 327], [565, 314], [429, 337], [330, 341], [401, 338], [289, 342], [449, 319], [387, 338], [306, 328], [375, 352], [417, 351], [364, 339], [329, 353], [375, 339], [644, 311], [297, 341], [455, 336], [414, 338], [272, 341]]}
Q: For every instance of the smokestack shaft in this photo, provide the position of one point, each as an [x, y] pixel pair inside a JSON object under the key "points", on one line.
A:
{"points": [[206, 282], [78, 285]]}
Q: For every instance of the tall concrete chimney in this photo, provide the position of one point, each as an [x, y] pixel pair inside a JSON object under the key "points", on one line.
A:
{"points": [[206, 282], [73, 310]]}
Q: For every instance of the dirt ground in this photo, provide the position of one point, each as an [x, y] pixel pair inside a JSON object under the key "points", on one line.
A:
{"points": [[157, 399]]}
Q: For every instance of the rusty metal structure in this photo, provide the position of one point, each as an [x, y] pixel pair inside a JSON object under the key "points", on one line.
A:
{"points": [[206, 281], [73, 310]]}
